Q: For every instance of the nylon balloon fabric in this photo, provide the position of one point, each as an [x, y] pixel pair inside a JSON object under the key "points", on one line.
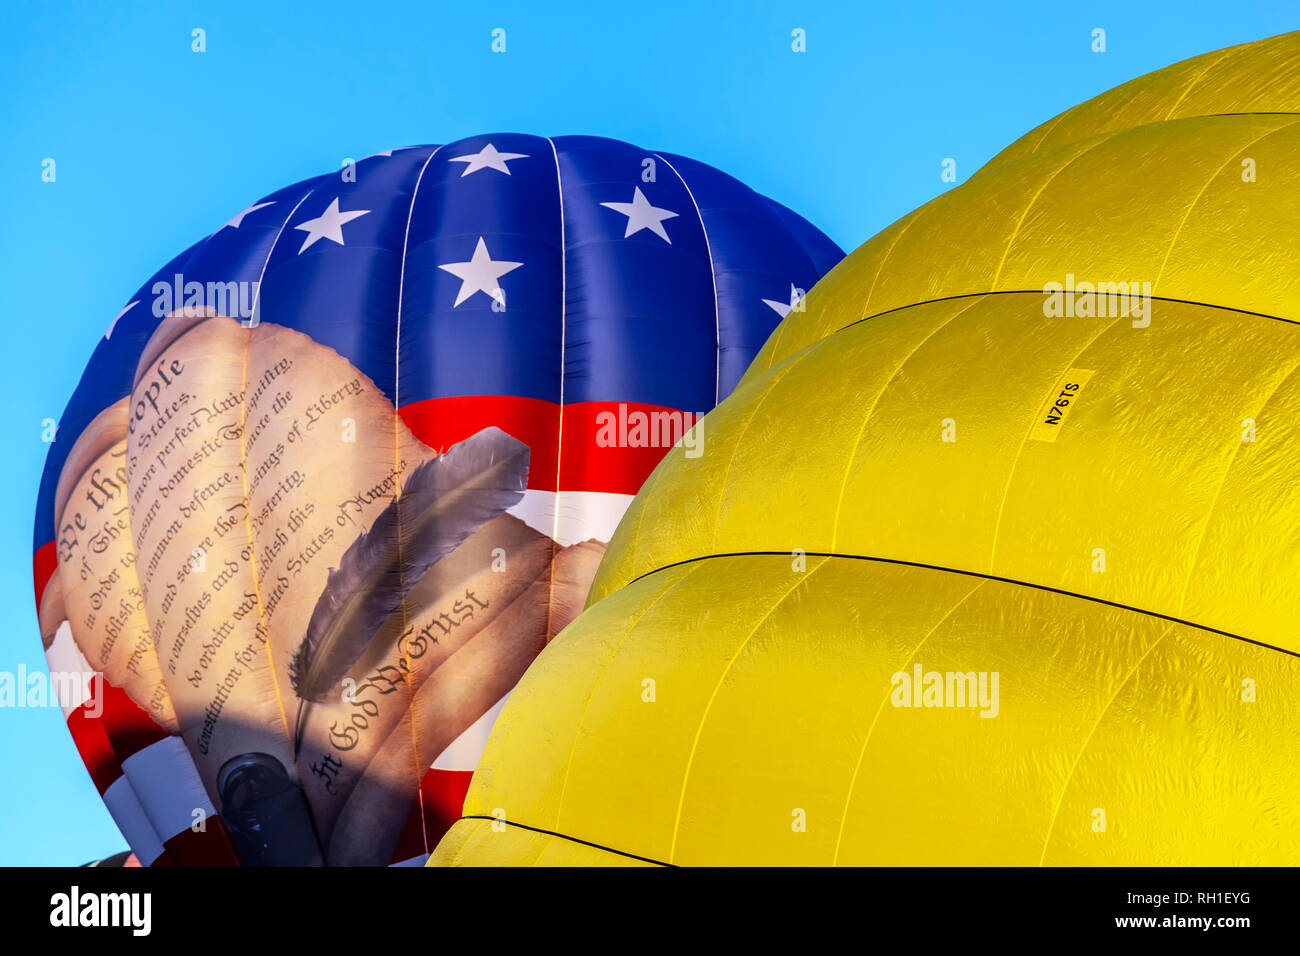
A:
{"points": [[991, 557], [339, 471]]}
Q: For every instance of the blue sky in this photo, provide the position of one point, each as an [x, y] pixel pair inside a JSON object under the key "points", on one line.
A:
{"points": [[156, 146]]}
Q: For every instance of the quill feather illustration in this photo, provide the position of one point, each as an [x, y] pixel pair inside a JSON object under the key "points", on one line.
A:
{"points": [[442, 503]]}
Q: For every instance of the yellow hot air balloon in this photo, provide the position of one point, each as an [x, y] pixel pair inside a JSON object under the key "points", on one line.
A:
{"points": [[991, 558]]}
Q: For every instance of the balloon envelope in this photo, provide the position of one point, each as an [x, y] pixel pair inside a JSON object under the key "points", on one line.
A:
{"points": [[339, 471], [990, 558]]}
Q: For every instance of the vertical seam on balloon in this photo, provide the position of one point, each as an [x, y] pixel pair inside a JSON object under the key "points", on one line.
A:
{"points": [[1069, 777], [911, 218], [591, 695], [813, 270], [1197, 79], [640, 523], [802, 579], [398, 424], [1214, 175], [542, 847], [243, 474], [1051, 126], [56, 581], [256, 587], [257, 296], [773, 343], [248, 529], [1024, 214], [726, 472], [779, 334], [907, 221], [853, 451], [1218, 491], [632, 543], [853, 781], [401, 286], [779, 212], [713, 276], [559, 428], [1024, 443]]}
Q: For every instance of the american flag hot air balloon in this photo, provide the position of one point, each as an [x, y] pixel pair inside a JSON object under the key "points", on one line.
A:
{"points": [[338, 472]]}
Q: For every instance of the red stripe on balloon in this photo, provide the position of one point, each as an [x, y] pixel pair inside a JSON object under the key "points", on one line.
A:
{"points": [[588, 464], [442, 794], [411, 842], [129, 730], [208, 847], [442, 797], [86, 725], [641, 434], [92, 741], [608, 446], [441, 422], [127, 724]]}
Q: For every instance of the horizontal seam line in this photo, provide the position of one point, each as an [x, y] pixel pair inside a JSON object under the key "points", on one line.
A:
{"points": [[565, 836], [969, 295], [973, 574]]}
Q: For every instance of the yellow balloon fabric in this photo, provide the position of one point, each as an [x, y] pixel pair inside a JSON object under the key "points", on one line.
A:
{"points": [[989, 559], [1260, 77]]}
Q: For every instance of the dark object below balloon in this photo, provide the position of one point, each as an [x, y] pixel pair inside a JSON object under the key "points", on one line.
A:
{"points": [[266, 813]]}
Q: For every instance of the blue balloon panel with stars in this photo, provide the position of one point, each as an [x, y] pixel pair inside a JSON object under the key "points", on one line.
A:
{"points": [[512, 267]]}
